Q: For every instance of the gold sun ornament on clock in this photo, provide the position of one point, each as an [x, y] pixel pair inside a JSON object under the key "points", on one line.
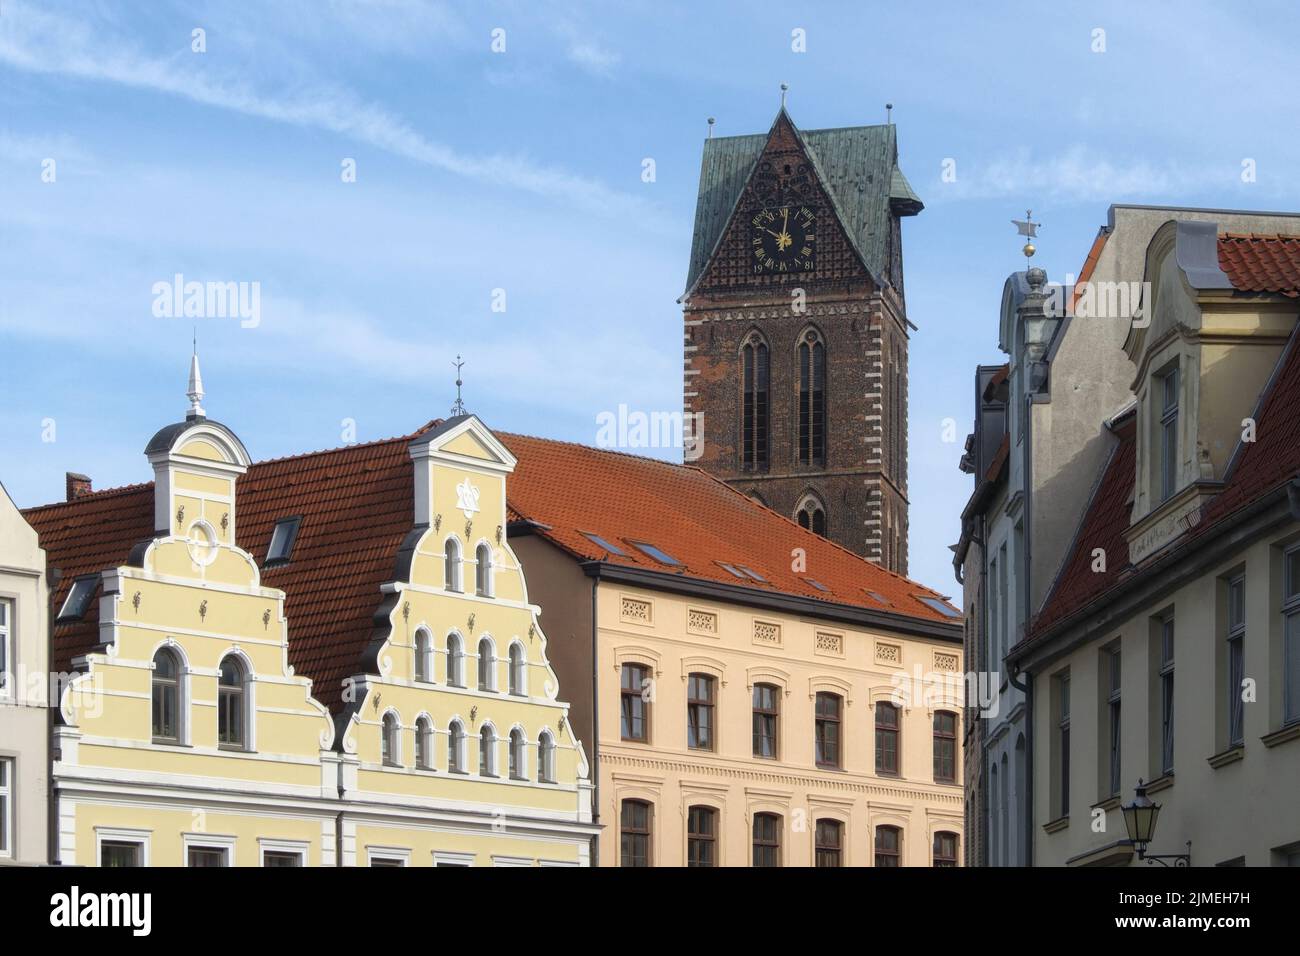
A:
{"points": [[783, 239]]}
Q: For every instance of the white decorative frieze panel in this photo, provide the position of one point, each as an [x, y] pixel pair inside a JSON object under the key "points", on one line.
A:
{"points": [[889, 653], [767, 632], [945, 662], [701, 622], [827, 644], [636, 611]]}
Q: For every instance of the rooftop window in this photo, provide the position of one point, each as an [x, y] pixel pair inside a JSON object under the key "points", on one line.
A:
{"points": [[940, 606], [79, 595], [282, 539], [752, 575], [878, 598], [663, 557], [733, 570], [817, 584], [600, 542]]}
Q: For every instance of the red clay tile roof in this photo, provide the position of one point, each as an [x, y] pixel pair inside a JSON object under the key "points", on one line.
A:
{"points": [[357, 505], [695, 518], [1105, 520], [1258, 468], [1089, 265], [1261, 263]]}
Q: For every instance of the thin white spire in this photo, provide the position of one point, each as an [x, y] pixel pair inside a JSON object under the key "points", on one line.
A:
{"points": [[195, 392]]}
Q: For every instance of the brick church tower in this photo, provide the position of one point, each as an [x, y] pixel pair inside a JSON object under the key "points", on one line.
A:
{"points": [[796, 329]]}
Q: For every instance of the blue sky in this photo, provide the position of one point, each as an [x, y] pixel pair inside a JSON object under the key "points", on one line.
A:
{"points": [[521, 171]]}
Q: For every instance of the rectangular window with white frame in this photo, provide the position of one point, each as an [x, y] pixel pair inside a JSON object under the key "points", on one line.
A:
{"points": [[1111, 723], [6, 646], [1163, 698], [6, 807], [116, 847], [1291, 637], [1167, 394], [1060, 704], [278, 853], [1235, 661], [207, 850]]}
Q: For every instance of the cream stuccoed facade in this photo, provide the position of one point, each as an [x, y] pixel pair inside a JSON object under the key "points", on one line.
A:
{"points": [[1166, 650], [24, 691], [204, 728]]}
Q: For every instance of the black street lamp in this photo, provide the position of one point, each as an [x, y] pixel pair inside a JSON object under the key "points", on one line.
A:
{"points": [[1140, 818]]}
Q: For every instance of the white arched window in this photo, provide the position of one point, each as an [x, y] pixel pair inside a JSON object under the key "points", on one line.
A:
{"points": [[455, 661], [546, 757], [391, 741], [232, 703], [456, 747], [451, 565], [167, 685], [487, 665], [424, 743], [487, 751], [483, 570], [518, 755], [518, 670], [423, 655]]}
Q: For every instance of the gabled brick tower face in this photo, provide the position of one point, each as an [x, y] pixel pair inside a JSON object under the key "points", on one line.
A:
{"points": [[796, 329]]}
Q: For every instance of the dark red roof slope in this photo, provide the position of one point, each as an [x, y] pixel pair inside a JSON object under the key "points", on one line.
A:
{"points": [[356, 505], [1105, 520], [1261, 263], [698, 520]]}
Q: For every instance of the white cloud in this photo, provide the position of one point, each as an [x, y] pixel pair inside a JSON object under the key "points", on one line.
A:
{"points": [[38, 42]]}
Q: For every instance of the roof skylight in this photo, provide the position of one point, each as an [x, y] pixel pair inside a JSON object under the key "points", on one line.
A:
{"points": [[600, 542], [79, 595], [282, 539], [663, 557], [940, 606]]}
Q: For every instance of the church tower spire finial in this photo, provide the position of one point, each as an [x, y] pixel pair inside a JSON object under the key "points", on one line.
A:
{"points": [[785, 87], [195, 391]]}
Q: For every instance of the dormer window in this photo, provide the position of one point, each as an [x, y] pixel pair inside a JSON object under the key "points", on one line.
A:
{"points": [[282, 541], [79, 595], [1167, 393]]}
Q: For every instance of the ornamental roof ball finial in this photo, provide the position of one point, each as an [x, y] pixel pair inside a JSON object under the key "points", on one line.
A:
{"points": [[1037, 278]]}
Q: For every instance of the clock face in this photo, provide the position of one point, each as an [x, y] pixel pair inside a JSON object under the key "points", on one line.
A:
{"points": [[784, 239]]}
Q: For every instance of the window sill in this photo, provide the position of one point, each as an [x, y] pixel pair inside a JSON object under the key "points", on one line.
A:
{"points": [[233, 749], [170, 743], [1231, 755], [1163, 782], [1108, 804], [1057, 825], [1291, 732]]}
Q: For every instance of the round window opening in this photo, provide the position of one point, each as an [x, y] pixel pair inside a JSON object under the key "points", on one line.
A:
{"points": [[203, 543]]}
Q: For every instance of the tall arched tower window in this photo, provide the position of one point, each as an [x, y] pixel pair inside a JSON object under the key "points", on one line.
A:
{"points": [[756, 404], [812, 399]]}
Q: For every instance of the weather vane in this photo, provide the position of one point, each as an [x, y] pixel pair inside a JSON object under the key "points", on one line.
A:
{"points": [[1027, 227], [459, 407]]}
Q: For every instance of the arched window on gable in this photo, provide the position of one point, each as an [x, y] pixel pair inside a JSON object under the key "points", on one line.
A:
{"points": [[487, 751], [456, 747], [483, 570], [423, 656], [390, 741], [455, 661], [812, 399], [546, 757], [232, 704], [451, 565], [755, 402], [487, 665], [424, 744], [518, 755], [166, 696], [518, 670]]}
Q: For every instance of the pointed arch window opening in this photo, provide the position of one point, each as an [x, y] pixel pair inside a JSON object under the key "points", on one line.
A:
{"points": [[756, 410], [812, 400]]}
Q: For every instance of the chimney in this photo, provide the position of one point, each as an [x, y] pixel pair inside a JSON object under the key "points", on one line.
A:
{"points": [[78, 486]]}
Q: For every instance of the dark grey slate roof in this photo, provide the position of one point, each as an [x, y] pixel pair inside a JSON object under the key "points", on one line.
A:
{"points": [[858, 165]]}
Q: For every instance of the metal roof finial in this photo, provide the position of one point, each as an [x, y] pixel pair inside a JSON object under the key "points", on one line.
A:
{"points": [[459, 407], [195, 391], [889, 114], [784, 88], [1027, 227], [711, 121]]}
